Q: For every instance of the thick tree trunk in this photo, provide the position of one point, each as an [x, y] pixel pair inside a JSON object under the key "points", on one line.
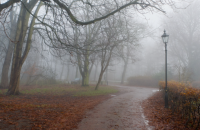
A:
{"points": [[7, 60], [124, 72], [18, 56], [14, 82], [85, 80], [6, 66]]}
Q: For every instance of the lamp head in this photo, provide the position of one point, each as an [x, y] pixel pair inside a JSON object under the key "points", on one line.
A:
{"points": [[165, 37]]}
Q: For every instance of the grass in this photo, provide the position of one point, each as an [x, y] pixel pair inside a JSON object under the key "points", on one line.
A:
{"points": [[76, 91], [52, 91], [92, 92]]}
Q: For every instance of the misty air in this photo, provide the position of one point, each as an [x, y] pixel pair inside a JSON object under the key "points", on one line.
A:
{"points": [[99, 65]]}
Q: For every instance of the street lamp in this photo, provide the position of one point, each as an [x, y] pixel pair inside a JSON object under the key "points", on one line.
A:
{"points": [[165, 38]]}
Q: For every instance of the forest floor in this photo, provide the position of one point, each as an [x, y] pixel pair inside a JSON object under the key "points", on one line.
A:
{"points": [[49, 107], [79, 108]]}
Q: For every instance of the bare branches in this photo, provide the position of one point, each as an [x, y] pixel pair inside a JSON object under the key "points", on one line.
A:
{"points": [[74, 19], [7, 4]]}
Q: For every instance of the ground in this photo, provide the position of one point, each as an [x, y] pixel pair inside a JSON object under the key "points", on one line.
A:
{"points": [[48, 107], [72, 110], [162, 118]]}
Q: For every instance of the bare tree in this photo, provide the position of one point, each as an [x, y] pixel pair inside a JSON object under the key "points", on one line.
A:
{"points": [[127, 50], [9, 52], [118, 5], [19, 56], [62, 12], [111, 36]]}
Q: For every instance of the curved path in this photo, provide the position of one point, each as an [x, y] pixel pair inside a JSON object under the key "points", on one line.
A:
{"points": [[121, 112]]}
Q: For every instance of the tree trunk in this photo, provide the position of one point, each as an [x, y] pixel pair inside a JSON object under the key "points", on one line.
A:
{"points": [[104, 65], [99, 80], [61, 74], [6, 66], [68, 70], [14, 82], [77, 75], [85, 80], [90, 69], [7, 60], [18, 57], [106, 80], [124, 71], [95, 73]]}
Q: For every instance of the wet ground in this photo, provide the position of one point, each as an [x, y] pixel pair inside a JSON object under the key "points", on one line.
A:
{"points": [[121, 112]]}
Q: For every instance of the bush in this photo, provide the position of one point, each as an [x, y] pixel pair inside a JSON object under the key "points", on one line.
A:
{"points": [[184, 99], [143, 81]]}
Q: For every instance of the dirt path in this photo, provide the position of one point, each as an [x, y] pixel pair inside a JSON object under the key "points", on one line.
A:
{"points": [[121, 112]]}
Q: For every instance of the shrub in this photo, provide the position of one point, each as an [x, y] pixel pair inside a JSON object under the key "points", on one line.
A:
{"points": [[184, 99]]}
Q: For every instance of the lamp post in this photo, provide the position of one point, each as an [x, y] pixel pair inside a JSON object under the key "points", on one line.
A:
{"points": [[165, 38]]}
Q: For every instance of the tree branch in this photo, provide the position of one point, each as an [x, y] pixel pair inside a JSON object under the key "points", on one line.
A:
{"points": [[72, 17], [7, 4]]}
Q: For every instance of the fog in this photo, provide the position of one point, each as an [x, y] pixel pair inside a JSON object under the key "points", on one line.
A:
{"points": [[110, 51]]}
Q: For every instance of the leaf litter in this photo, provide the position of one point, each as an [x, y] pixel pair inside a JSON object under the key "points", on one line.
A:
{"points": [[162, 118], [35, 112]]}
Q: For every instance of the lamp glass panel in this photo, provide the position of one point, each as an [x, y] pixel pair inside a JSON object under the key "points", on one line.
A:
{"points": [[165, 38]]}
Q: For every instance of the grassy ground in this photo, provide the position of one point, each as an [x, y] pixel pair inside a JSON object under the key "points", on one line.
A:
{"points": [[64, 90], [49, 107]]}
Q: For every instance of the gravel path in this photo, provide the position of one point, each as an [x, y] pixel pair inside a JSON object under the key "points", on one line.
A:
{"points": [[121, 112]]}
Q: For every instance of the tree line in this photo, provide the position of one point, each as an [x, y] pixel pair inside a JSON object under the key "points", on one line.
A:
{"points": [[109, 33]]}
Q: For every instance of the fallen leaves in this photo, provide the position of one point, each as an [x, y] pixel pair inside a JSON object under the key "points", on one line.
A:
{"points": [[183, 98], [44, 111], [162, 118]]}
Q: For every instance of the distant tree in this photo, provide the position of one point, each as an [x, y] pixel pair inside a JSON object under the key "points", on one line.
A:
{"points": [[127, 50], [184, 30], [112, 35]]}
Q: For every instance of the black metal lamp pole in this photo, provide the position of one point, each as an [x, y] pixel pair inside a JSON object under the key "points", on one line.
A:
{"points": [[165, 38]]}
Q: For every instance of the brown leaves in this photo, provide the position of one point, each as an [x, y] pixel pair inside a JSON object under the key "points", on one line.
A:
{"points": [[183, 98], [44, 111], [160, 117]]}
